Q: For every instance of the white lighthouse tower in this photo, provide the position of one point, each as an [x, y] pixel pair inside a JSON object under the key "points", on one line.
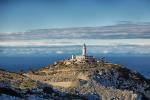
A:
{"points": [[84, 50], [83, 57]]}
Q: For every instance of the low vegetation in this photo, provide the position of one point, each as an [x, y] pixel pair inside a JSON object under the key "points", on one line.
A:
{"points": [[72, 80]]}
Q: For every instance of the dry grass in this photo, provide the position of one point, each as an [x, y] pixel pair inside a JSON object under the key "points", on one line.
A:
{"points": [[69, 84], [17, 80]]}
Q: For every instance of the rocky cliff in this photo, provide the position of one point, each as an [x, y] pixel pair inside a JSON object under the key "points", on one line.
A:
{"points": [[75, 80], [15, 86], [96, 80]]}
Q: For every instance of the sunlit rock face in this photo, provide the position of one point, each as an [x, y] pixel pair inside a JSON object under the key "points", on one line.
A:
{"points": [[97, 80]]}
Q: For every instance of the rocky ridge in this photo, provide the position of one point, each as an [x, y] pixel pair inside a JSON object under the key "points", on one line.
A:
{"points": [[71, 79], [16, 86], [97, 80]]}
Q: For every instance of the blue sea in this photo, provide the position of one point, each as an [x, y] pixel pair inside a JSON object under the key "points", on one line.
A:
{"points": [[16, 63]]}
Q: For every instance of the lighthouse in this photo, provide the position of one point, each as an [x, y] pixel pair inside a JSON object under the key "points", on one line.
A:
{"points": [[84, 50], [84, 57]]}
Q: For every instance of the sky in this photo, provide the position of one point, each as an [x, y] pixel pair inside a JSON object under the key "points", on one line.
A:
{"points": [[106, 26], [24, 15]]}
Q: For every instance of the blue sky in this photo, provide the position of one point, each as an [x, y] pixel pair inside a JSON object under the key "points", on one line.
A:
{"points": [[23, 15]]}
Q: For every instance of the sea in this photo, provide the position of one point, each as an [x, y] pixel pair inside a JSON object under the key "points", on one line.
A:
{"points": [[138, 63]]}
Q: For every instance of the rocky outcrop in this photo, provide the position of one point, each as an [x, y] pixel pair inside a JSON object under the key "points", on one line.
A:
{"points": [[15, 86], [96, 80], [70, 79]]}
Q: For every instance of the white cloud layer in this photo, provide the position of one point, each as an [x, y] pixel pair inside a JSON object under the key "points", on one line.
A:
{"points": [[65, 42], [44, 51]]}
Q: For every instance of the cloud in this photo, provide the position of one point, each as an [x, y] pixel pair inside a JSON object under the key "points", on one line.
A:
{"points": [[121, 30], [91, 49], [59, 52], [70, 42], [124, 37]]}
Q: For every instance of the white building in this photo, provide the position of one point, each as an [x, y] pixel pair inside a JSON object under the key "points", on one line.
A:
{"points": [[83, 57]]}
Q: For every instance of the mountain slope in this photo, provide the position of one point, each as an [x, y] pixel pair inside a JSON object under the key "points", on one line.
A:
{"points": [[15, 86], [97, 80]]}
